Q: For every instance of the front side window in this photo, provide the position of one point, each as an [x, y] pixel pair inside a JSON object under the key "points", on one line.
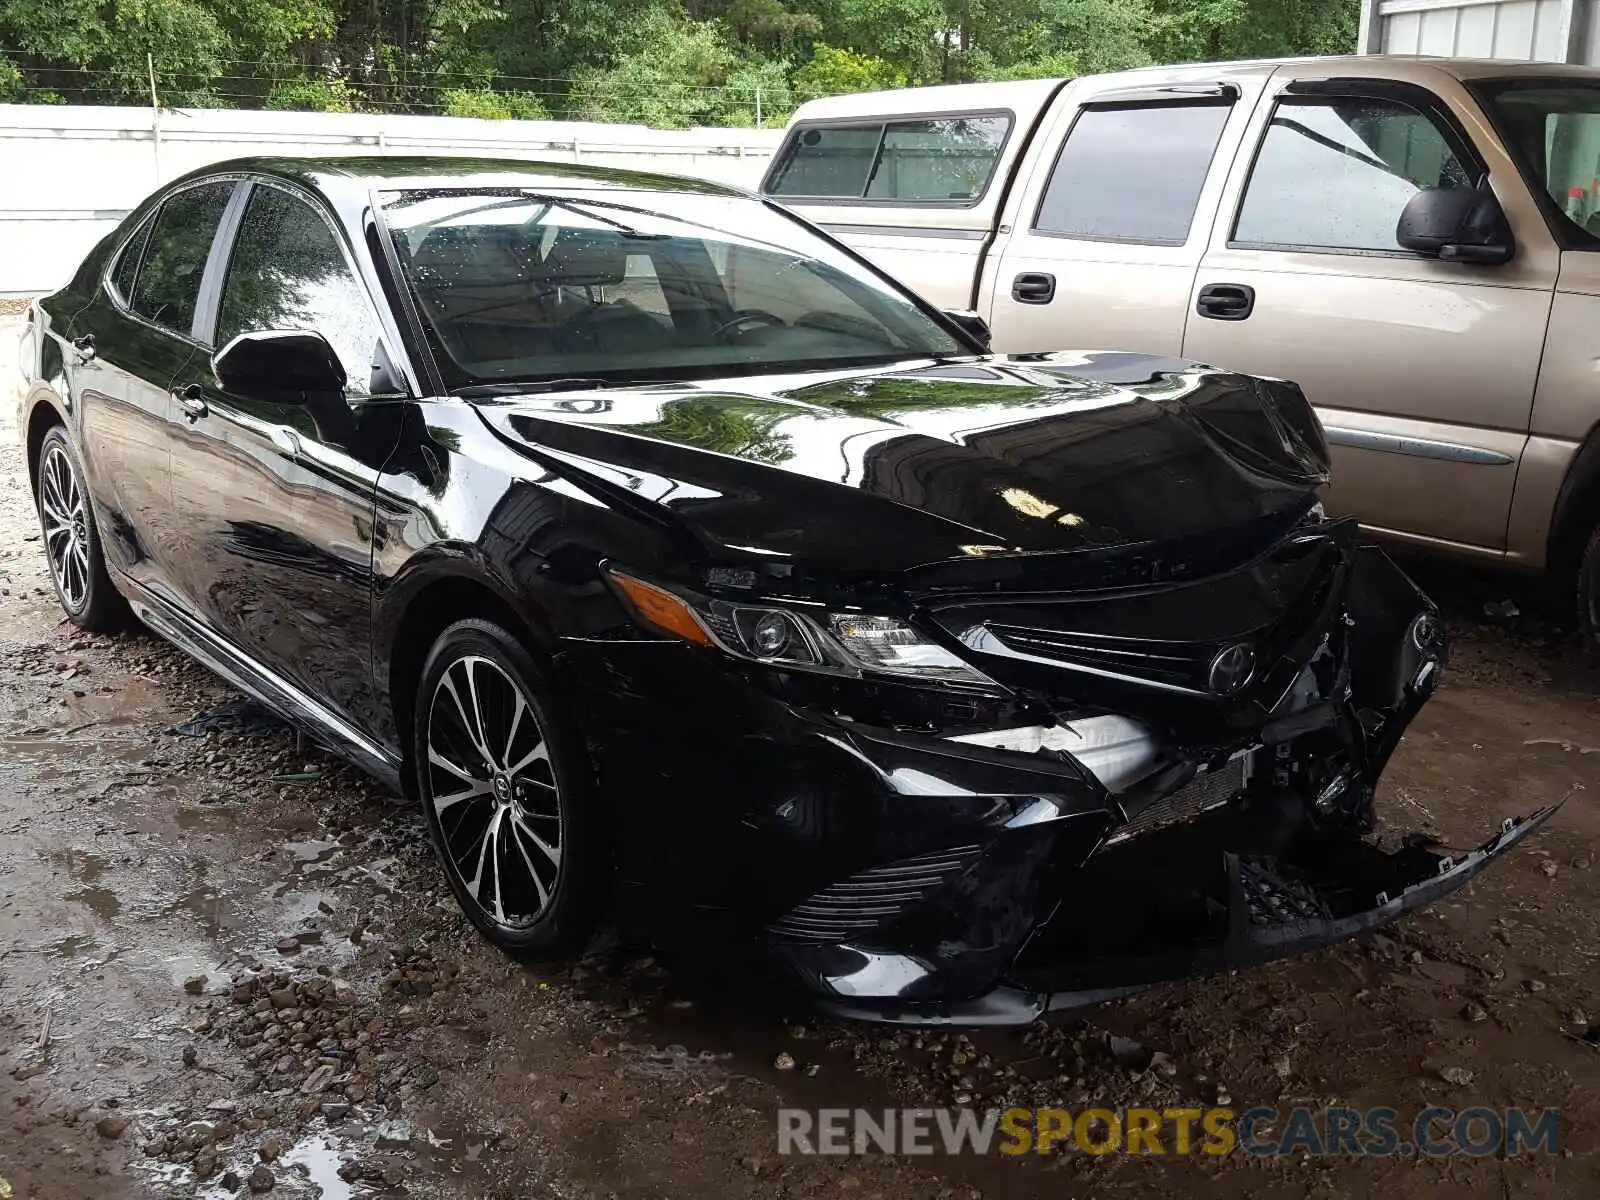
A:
{"points": [[521, 287], [1554, 129], [946, 160], [167, 290], [1337, 174], [1132, 173], [288, 272]]}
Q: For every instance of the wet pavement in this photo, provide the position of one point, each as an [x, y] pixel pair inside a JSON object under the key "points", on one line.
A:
{"points": [[227, 963]]}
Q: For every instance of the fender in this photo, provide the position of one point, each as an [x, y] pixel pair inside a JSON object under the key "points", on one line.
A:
{"points": [[1577, 506]]}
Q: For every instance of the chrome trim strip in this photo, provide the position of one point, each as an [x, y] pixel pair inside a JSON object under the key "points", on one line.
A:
{"points": [[222, 657], [981, 639], [1413, 447], [959, 235]]}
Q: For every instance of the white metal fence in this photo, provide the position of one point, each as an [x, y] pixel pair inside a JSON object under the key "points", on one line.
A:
{"points": [[69, 174]]}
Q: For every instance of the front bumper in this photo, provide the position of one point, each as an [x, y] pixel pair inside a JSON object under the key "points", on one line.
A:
{"points": [[898, 876], [1259, 930]]}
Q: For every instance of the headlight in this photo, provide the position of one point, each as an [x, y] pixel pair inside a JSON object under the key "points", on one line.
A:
{"points": [[834, 643]]}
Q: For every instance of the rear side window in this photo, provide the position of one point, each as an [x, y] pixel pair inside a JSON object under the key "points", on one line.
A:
{"points": [[1132, 173], [127, 268], [167, 290], [942, 160], [1336, 175]]}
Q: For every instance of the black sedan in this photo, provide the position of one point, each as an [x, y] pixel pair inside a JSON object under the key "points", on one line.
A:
{"points": [[679, 563]]}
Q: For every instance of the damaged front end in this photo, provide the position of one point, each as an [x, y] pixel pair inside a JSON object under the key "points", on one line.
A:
{"points": [[1160, 807]]}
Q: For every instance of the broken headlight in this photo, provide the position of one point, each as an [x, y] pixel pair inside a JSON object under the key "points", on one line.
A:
{"points": [[814, 640]]}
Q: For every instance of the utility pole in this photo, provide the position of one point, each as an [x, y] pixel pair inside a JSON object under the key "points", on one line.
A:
{"points": [[155, 116], [758, 106]]}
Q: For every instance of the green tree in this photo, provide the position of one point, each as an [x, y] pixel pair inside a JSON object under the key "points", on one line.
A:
{"points": [[486, 102], [836, 72]]}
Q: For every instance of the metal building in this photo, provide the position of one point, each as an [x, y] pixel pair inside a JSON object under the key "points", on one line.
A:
{"points": [[1542, 30]]}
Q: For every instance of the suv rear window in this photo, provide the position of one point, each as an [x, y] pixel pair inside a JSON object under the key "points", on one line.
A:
{"points": [[1132, 173], [940, 160]]}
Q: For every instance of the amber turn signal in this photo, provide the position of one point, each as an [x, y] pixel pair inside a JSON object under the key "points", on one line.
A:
{"points": [[659, 607]]}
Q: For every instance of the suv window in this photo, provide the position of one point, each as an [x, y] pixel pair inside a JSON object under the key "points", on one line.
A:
{"points": [[1337, 174], [1132, 173], [939, 160], [288, 272], [1553, 125], [167, 290], [127, 268]]}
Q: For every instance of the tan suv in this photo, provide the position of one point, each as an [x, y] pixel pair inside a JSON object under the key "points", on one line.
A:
{"points": [[1415, 241]]}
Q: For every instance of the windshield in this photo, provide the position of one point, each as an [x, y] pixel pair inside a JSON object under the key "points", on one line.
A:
{"points": [[516, 286], [1554, 128]]}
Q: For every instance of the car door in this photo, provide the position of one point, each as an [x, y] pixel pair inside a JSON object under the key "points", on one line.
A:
{"points": [[1423, 371], [129, 343], [277, 498], [1109, 230]]}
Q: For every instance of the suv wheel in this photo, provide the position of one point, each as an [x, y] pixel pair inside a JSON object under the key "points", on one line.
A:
{"points": [[71, 541], [507, 792], [1589, 592]]}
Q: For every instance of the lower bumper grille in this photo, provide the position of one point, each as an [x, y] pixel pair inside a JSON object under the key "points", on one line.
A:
{"points": [[1207, 791], [867, 899]]}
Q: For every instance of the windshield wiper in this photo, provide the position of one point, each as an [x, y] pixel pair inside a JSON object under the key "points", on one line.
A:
{"points": [[488, 391]]}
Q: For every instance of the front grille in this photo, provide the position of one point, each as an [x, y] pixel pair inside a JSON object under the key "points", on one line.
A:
{"points": [[1177, 664], [1273, 900], [868, 899], [1207, 791]]}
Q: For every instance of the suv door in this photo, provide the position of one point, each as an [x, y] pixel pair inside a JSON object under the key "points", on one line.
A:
{"points": [[1106, 238], [1423, 371], [279, 497], [130, 342]]}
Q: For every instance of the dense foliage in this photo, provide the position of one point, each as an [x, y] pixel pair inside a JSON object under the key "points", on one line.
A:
{"points": [[669, 63]]}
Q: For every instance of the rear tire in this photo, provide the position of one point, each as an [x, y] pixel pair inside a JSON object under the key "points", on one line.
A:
{"points": [[508, 794], [72, 541]]}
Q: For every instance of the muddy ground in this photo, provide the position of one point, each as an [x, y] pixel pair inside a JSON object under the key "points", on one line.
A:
{"points": [[160, 1037]]}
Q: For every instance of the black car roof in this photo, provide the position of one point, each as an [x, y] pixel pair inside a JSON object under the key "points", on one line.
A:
{"points": [[345, 173]]}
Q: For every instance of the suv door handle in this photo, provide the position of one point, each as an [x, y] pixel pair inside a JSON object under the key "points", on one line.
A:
{"points": [[1226, 301], [189, 399], [83, 347], [1033, 287]]}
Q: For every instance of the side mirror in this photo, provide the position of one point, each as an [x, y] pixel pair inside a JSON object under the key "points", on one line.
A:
{"points": [[282, 365], [971, 324], [1465, 225]]}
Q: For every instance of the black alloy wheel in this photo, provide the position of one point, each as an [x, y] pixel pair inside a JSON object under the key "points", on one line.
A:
{"points": [[506, 790], [71, 541]]}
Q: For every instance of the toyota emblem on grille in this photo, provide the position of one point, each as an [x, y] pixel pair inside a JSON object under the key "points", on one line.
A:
{"points": [[1231, 669]]}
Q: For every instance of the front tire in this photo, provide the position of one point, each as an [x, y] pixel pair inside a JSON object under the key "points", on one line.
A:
{"points": [[1588, 592], [71, 540], [507, 792]]}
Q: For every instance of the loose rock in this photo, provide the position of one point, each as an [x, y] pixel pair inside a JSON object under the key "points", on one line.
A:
{"points": [[261, 1179], [111, 1128], [784, 1061]]}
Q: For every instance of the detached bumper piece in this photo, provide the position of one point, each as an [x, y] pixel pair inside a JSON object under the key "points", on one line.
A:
{"points": [[1262, 910]]}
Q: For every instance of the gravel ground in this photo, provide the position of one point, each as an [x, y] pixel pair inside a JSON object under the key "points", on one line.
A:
{"points": [[228, 966]]}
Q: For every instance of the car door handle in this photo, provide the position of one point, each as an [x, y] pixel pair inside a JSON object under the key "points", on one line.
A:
{"points": [[190, 401], [1033, 287], [83, 347], [1226, 301]]}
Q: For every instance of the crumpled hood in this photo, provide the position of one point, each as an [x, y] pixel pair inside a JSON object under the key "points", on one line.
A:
{"points": [[887, 470]]}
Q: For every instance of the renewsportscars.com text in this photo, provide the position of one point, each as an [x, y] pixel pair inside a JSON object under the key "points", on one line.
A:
{"points": [[1261, 1132]]}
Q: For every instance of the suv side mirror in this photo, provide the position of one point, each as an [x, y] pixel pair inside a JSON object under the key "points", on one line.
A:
{"points": [[1465, 225], [971, 324], [281, 365]]}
